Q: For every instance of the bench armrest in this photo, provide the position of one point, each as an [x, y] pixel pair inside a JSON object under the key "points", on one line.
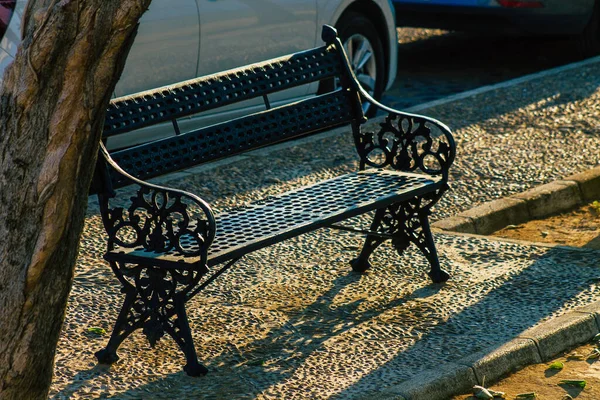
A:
{"points": [[406, 142], [159, 219]]}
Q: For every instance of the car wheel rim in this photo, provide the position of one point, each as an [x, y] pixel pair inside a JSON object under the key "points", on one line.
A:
{"points": [[362, 58]]}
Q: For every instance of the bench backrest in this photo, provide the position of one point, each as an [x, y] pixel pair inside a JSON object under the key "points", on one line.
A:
{"points": [[256, 130]]}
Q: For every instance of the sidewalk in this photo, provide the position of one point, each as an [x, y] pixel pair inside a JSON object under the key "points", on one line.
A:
{"points": [[292, 321]]}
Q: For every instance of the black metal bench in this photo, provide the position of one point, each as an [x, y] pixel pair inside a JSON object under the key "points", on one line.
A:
{"points": [[166, 245]]}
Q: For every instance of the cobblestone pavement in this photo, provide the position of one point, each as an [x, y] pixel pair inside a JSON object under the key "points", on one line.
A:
{"points": [[292, 321]]}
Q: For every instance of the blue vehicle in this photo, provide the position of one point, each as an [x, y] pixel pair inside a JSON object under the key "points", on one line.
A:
{"points": [[577, 18]]}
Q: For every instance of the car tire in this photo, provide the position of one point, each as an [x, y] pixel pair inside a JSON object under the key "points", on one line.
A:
{"points": [[356, 30], [589, 39]]}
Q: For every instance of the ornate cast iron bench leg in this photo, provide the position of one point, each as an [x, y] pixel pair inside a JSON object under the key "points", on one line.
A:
{"points": [[179, 330], [361, 263], [156, 305], [427, 247], [407, 223], [413, 219], [132, 316]]}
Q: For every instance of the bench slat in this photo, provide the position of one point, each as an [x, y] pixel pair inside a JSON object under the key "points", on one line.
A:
{"points": [[233, 137], [299, 211], [213, 91]]}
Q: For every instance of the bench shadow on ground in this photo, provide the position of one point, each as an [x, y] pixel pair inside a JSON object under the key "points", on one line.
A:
{"points": [[549, 278], [80, 379], [319, 313]]}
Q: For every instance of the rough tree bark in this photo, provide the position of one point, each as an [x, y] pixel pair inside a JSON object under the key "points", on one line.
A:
{"points": [[51, 112]]}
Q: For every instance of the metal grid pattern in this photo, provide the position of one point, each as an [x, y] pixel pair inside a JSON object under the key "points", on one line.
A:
{"points": [[305, 209], [190, 97], [290, 214], [236, 136]]}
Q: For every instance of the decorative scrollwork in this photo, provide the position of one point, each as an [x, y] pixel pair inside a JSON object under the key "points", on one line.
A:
{"points": [[158, 219], [408, 222], [405, 223], [154, 302], [403, 220], [157, 291], [169, 222], [407, 142], [155, 283]]}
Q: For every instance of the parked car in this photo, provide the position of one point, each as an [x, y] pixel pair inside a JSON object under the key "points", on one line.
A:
{"points": [[183, 39], [578, 18]]}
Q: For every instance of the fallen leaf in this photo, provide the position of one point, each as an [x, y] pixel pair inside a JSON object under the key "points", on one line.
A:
{"points": [[575, 356], [594, 354], [573, 382], [556, 365], [482, 393], [526, 396], [497, 394], [97, 331]]}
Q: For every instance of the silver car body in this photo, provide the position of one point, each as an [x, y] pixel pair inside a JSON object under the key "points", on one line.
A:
{"points": [[182, 39]]}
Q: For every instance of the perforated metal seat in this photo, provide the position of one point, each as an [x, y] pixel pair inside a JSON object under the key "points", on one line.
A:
{"points": [[299, 211]]}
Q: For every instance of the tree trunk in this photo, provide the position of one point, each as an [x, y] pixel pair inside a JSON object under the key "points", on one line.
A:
{"points": [[52, 108]]}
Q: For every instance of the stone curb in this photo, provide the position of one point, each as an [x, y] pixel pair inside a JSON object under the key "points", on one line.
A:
{"points": [[441, 383], [593, 309], [539, 202], [562, 333], [538, 344], [491, 364]]}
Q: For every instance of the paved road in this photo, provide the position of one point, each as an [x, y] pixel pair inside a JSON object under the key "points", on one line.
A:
{"points": [[435, 63]]}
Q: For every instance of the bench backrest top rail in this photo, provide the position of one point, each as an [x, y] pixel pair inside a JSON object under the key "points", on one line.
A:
{"points": [[190, 97]]}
